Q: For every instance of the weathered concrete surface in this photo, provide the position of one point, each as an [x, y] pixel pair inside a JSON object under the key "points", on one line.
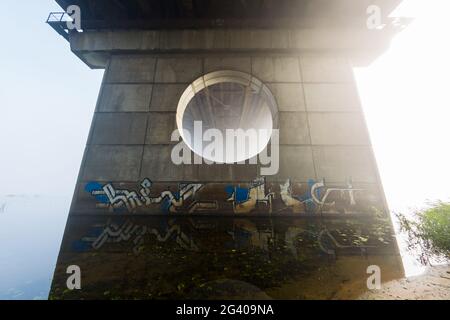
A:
{"points": [[166, 96], [326, 68], [243, 63], [296, 163], [131, 68], [125, 98], [291, 122], [338, 129], [230, 39], [119, 128], [156, 163], [289, 96], [276, 69], [160, 127], [114, 163], [331, 97], [176, 70], [338, 163]]}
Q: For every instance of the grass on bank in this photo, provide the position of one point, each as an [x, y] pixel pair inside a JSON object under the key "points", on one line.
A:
{"points": [[428, 231]]}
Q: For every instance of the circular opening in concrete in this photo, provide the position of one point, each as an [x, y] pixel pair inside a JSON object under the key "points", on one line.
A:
{"points": [[226, 116]]}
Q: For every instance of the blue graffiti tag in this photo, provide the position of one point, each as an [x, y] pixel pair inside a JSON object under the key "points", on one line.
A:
{"points": [[95, 186], [240, 195], [306, 197]]}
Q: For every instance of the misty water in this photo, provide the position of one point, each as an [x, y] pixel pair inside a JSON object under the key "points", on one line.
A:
{"points": [[31, 229]]}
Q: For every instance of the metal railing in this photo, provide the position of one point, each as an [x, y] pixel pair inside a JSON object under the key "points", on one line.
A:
{"points": [[58, 21]]}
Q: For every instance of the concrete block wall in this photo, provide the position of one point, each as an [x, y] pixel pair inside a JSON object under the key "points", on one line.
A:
{"points": [[322, 129], [316, 97]]}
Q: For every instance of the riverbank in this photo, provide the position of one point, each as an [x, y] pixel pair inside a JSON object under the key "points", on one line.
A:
{"points": [[434, 284]]}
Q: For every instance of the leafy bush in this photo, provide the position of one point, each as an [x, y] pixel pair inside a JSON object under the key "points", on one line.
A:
{"points": [[428, 231]]}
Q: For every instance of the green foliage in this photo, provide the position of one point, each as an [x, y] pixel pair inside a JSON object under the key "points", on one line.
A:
{"points": [[429, 231]]}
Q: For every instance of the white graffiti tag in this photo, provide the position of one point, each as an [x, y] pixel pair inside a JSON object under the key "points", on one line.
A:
{"points": [[246, 199], [318, 197], [328, 191], [132, 200]]}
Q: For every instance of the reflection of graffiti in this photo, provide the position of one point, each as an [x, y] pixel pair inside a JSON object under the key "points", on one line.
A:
{"points": [[194, 234], [3, 208], [326, 242], [109, 197], [317, 197], [325, 247], [129, 231], [246, 199], [245, 233]]}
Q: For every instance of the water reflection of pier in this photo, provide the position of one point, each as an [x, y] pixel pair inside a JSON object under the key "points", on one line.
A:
{"points": [[162, 257]]}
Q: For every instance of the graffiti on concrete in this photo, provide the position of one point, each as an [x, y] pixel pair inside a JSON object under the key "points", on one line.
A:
{"points": [[298, 204], [318, 196], [255, 197], [203, 206], [128, 231], [246, 200], [111, 198], [324, 200]]}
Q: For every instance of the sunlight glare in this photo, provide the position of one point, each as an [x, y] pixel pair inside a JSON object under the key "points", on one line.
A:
{"points": [[406, 100]]}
